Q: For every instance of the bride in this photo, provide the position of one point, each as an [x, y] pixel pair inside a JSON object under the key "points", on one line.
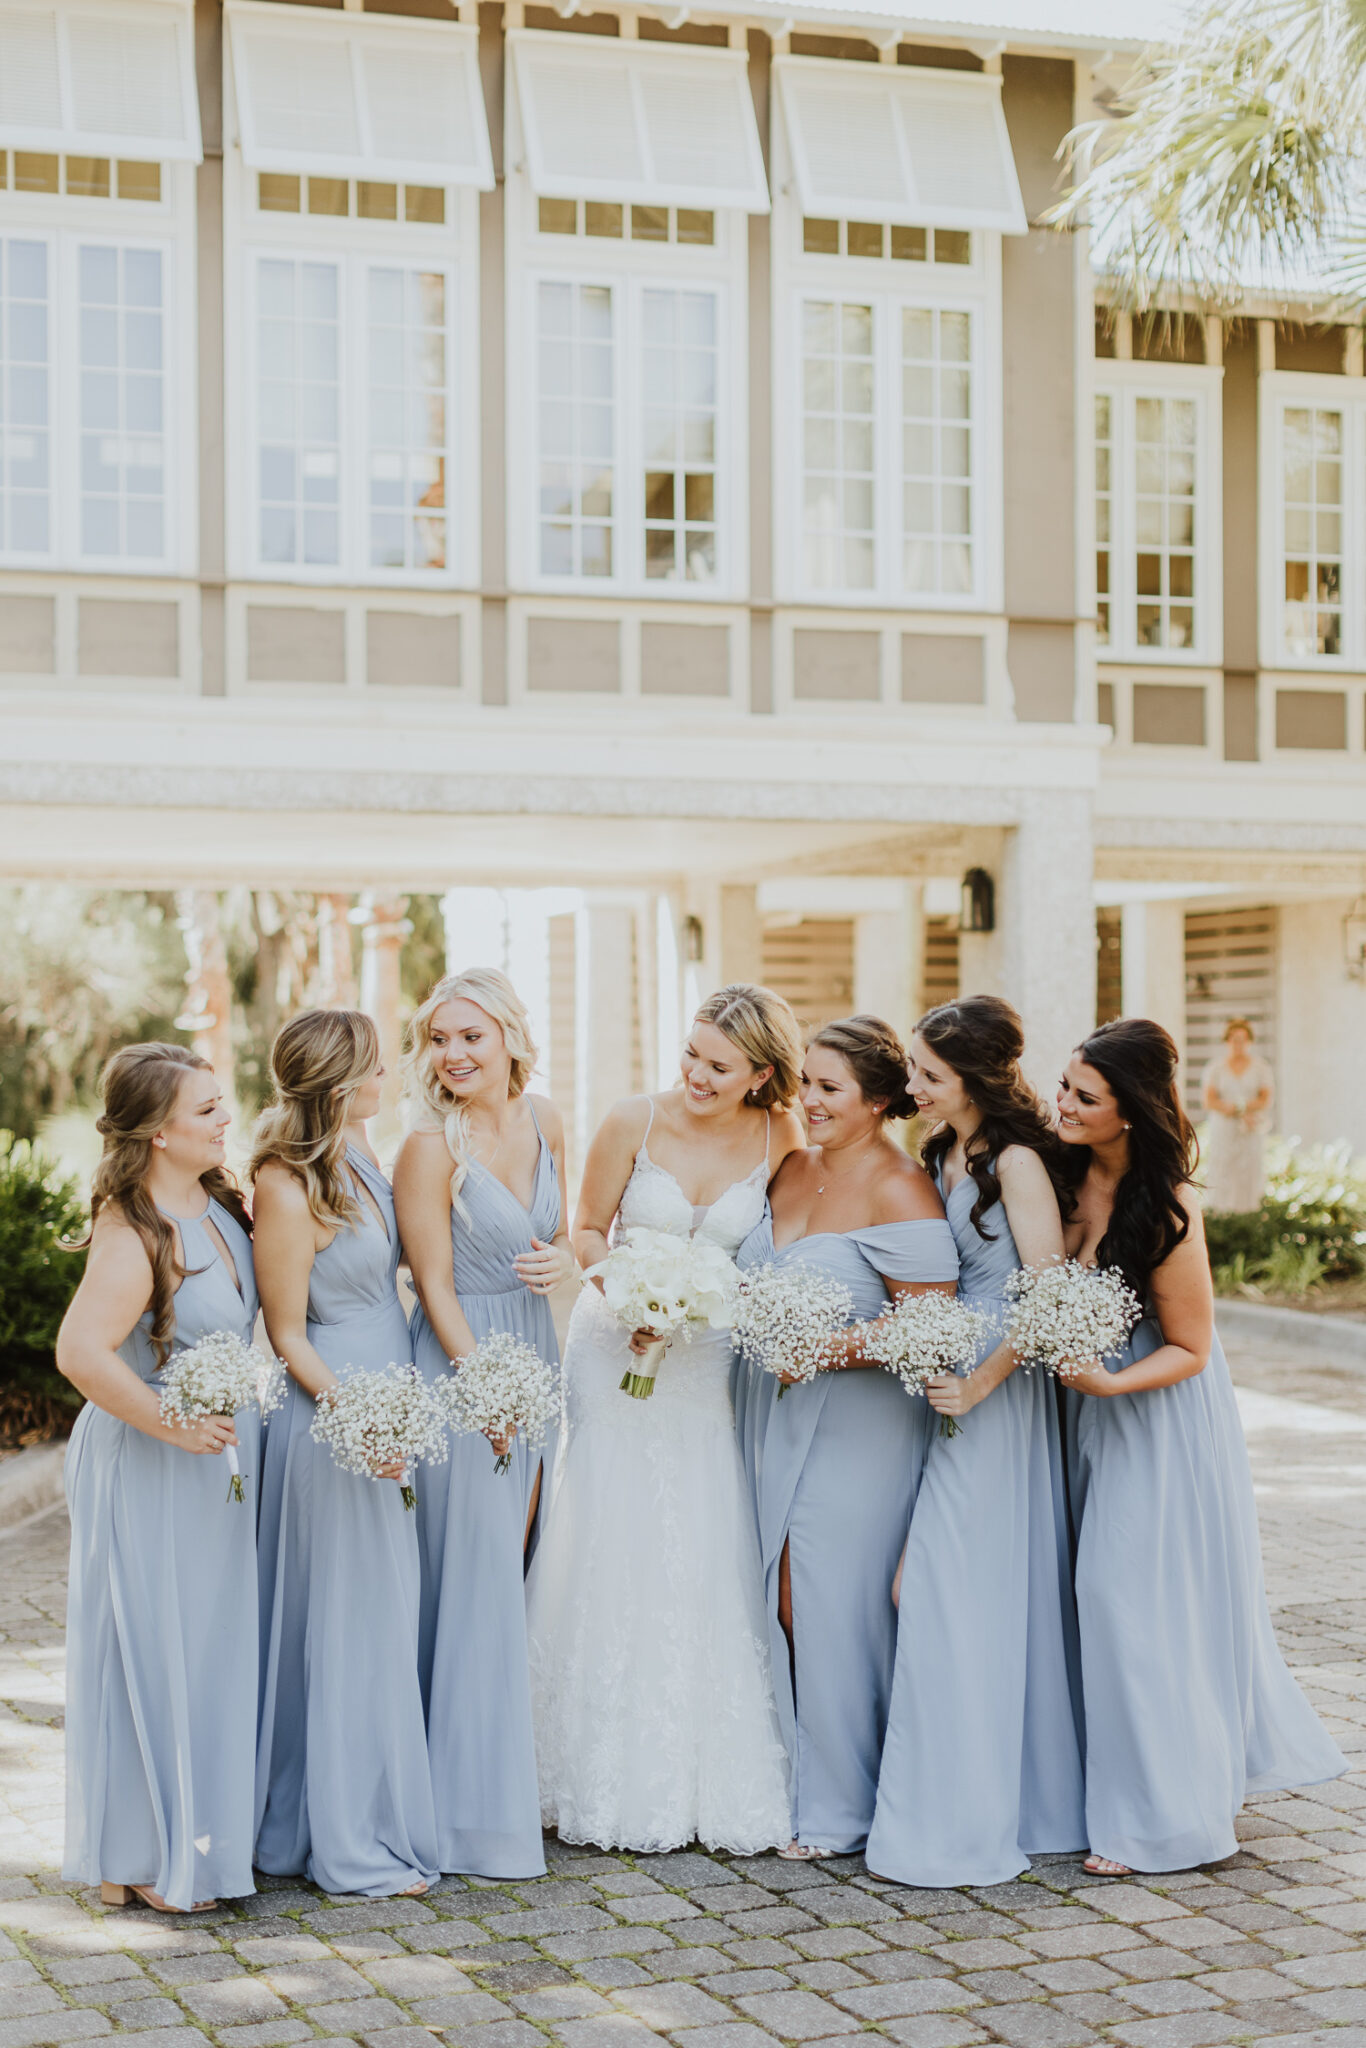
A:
{"points": [[651, 1687]]}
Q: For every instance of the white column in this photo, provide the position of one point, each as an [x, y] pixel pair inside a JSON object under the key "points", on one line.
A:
{"points": [[476, 923], [887, 948], [741, 948], [1153, 965], [1046, 926], [670, 988], [382, 937], [604, 964]]}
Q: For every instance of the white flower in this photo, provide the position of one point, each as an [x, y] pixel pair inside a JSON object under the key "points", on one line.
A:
{"points": [[653, 1280], [788, 1316], [925, 1335], [218, 1376], [377, 1419], [499, 1388], [1067, 1315]]}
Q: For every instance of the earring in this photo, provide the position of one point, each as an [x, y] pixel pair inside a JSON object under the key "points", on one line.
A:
{"points": [[160, 1143], [1128, 1127]]}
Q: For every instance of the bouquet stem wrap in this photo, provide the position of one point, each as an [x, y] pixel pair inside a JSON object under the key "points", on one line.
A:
{"points": [[668, 1286]]}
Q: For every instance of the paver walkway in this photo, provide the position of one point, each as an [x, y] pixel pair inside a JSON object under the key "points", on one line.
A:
{"points": [[710, 1952]]}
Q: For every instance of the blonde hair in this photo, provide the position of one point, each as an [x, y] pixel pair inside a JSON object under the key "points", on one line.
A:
{"points": [[318, 1061], [435, 1108], [760, 1025], [1239, 1024], [140, 1085]]}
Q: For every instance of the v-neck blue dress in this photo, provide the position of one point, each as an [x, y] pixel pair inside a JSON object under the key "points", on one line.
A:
{"points": [[986, 1637], [471, 1523], [834, 1466], [343, 1791], [161, 1621]]}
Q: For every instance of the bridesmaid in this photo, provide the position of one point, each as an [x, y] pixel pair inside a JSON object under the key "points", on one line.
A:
{"points": [[835, 1465], [479, 1185], [343, 1791], [986, 1641], [1175, 1630], [161, 1627]]}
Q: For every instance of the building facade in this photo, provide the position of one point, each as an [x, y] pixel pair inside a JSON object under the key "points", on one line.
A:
{"points": [[646, 473]]}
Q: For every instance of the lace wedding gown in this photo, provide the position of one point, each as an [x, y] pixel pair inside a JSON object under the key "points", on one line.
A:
{"points": [[650, 1681]]}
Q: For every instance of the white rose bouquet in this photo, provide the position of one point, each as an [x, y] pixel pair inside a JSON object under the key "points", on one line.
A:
{"points": [[655, 1281], [788, 1316], [1067, 1315], [373, 1420], [924, 1335], [217, 1376], [500, 1387]]}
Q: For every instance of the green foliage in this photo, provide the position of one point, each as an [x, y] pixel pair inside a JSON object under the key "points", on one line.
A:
{"points": [[1310, 1226], [423, 959], [38, 1206]]}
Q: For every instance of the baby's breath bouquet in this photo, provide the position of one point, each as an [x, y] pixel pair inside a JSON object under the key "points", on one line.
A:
{"points": [[218, 1376], [923, 1336], [500, 1387], [1066, 1315], [371, 1420], [787, 1318], [655, 1281]]}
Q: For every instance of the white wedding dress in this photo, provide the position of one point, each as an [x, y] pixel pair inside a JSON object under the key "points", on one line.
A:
{"points": [[648, 1636]]}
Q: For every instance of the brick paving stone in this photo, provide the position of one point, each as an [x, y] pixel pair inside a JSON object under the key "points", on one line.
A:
{"points": [[1334, 2005], [655, 1908], [609, 1973], [561, 2002], [732, 1982], [417, 1976], [830, 1941], [797, 2015], [470, 2010], [82, 1969], [273, 2034], [616, 1941], [315, 1983], [693, 1962], [1172, 1994], [1000, 1986], [533, 1923], [667, 2007], [1035, 2026], [818, 1976], [730, 2034], [349, 2015], [1082, 1973], [892, 1966], [980, 1955], [611, 2030], [933, 2030], [397, 2037], [1180, 2030], [233, 1998], [1321, 1973], [918, 1994], [154, 2012], [772, 1920]]}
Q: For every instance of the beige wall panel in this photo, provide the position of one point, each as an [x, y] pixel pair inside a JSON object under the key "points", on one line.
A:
{"points": [[684, 661], [28, 636], [1169, 715], [760, 232], [412, 650], [943, 668], [1312, 718], [1105, 704], [574, 655], [208, 21], [834, 666], [493, 681], [1240, 717], [1240, 496], [126, 637], [295, 644], [1042, 662]]}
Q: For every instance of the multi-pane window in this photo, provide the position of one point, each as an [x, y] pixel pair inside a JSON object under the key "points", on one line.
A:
{"points": [[839, 480], [407, 334], [122, 402], [876, 240], [1105, 504], [613, 221], [1152, 516], [298, 368], [1164, 521], [350, 198], [79, 177], [1312, 471], [679, 396], [577, 419], [936, 403], [25, 398]]}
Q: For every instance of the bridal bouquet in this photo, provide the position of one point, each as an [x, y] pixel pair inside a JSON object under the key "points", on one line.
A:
{"points": [[787, 1318], [1066, 1315], [500, 1387], [923, 1336], [217, 1376], [375, 1419], [655, 1281]]}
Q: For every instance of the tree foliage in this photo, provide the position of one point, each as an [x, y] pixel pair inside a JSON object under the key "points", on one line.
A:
{"points": [[39, 1207]]}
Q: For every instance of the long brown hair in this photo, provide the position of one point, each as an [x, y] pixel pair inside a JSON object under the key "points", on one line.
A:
{"points": [[981, 1038], [1139, 1060], [318, 1061], [140, 1085]]}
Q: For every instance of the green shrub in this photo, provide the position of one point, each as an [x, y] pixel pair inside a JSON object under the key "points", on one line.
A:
{"points": [[38, 1205], [1310, 1226]]}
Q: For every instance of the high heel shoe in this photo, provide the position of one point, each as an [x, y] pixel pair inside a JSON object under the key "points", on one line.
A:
{"points": [[124, 1894]]}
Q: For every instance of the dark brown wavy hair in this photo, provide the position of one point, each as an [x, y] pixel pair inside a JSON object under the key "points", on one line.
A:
{"points": [[1139, 1061], [875, 1057], [981, 1039], [139, 1086]]}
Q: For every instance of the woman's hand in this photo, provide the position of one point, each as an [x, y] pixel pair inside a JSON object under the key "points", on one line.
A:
{"points": [[1090, 1379], [205, 1437], [951, 1393], [643, 1342], [545, 1267], [502, 1444]]}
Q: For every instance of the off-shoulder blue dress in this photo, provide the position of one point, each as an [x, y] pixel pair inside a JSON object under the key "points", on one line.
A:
{"points": [[471, 1523], [1190, 1708], [986, 1639], [343, 1791], [161, 1621], [834, 1467]]}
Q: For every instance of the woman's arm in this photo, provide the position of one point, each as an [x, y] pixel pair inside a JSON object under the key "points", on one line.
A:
{"points": [[284, 1246], [1183, 1299], [1036, 1225], [786, 1135], [422, 1202], [907, 1195], [606, 1171], [115, 1291], [546, 1266]]}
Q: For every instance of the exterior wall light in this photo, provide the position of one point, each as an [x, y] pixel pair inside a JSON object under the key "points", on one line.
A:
{"points": [[977, 902], [692, 938]]}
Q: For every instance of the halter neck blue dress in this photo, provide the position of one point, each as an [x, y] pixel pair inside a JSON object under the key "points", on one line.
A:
{"points": [[343, 1791], [986, 1639], [161, 1621], [834, 1467], [471, 1522]]}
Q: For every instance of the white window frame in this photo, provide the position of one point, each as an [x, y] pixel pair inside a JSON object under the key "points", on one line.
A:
{"points": [[1124, 383], [65, 224], [630, 268], [70, 135], [888, 286], [353, 244], [1277, 392]]}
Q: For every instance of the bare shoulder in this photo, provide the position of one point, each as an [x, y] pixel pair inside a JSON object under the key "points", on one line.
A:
{"points": [[626, 1122], [114, 1242], [422, 1158], [793, 1166], [279, 1190], [1189, 1199], [1020, 1170], [548, 1117], [787, 1134], [904, 1192]]}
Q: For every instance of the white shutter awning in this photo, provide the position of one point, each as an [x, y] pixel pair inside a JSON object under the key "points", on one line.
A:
{"points": [[900, 143], [348, 95], [648, 123], [92, 80]]}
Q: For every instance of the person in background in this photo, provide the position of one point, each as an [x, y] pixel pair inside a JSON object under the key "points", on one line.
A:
{"points": [[1239, 1089]]}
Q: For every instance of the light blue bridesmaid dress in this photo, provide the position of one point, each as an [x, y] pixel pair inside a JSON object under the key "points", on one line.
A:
{"points": [[986, 1639], [1190, 1709], [834, 1466], [161, 1621], [343, 1791], [471, 1522]]}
